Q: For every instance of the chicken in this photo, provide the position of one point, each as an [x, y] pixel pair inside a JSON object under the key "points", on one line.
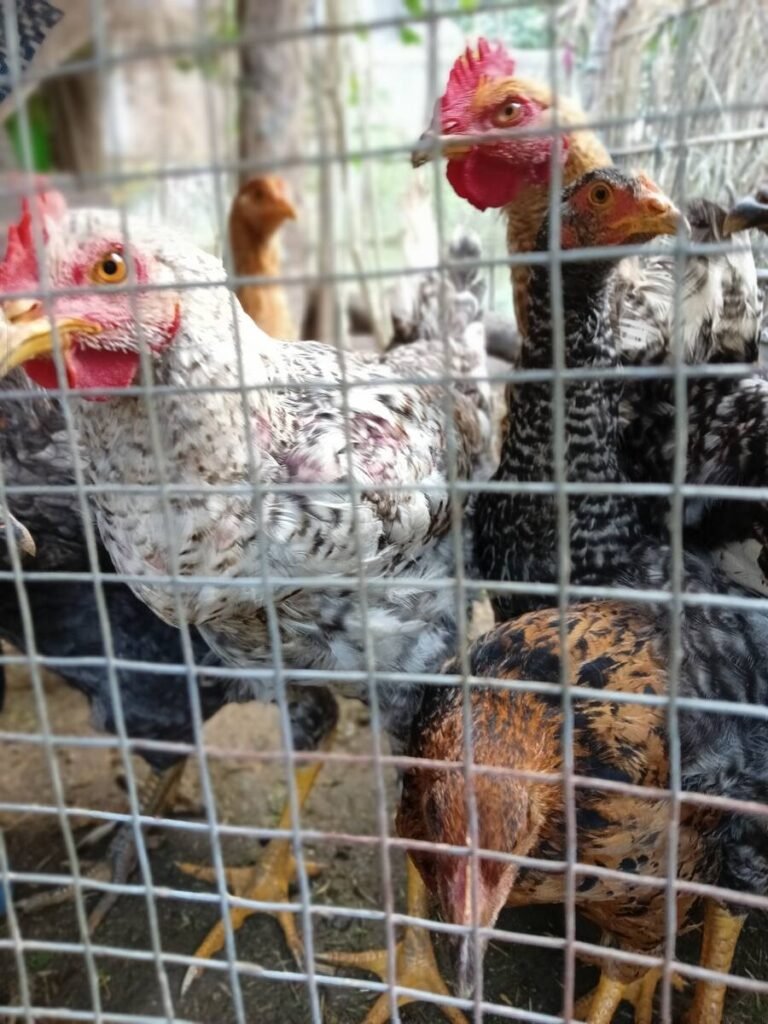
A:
{"points": [[724, 656], [611, 540], [516, 533], [720, 308], [304, 437], [156, 706], [17, 536], [258, 211], [612, 648], [483, 96], [502, 340]]}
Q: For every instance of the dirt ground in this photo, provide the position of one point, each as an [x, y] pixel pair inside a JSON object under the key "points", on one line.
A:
{"points": [[249, 793]]}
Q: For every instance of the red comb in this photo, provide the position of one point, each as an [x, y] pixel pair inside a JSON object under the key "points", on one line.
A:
{"points": [[18, 269], [489, 60]]}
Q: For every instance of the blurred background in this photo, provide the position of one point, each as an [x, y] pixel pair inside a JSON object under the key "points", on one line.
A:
{"points": [[179, 100]]}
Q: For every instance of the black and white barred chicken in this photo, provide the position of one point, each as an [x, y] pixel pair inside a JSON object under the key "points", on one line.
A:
{"points": [[261, 442]]}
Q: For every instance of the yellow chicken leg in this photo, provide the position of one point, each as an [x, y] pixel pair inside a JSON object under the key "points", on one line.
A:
{"points": [[267, 881], [600, 1005], [718, 945], [415, 963]]}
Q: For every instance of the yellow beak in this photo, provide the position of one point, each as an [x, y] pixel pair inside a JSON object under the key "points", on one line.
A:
{"points": [[22, 339]]}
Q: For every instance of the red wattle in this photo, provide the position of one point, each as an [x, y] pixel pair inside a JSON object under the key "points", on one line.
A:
{"points": [[88, 368], [484, 180]]}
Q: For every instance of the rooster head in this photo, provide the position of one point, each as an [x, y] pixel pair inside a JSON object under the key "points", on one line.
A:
{"points": [[483, 96], [98, 314]]}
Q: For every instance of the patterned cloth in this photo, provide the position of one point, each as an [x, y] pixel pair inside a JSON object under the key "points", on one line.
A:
{"points": [[36, 18]]}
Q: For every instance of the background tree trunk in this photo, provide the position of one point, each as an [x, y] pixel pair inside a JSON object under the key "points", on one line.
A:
{"points": [[75, 105]]}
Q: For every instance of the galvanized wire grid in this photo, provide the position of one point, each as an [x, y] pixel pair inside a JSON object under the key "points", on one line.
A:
{"points": [[428, 17]]}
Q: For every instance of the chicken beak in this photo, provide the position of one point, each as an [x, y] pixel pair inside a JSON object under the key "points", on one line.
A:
{"points": [[287, 209], [456, 898], [427, 147], [469, 964], [25, 335], [655, 215], [20, 536], [747, 213]]}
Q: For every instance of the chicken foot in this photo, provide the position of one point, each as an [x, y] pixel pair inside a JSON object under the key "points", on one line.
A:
{"points": [[415, 963], [718, 945], [600, 1005], [154, 796], [268, 881]]}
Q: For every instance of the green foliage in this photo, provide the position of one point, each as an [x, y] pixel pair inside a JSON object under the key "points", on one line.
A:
{"points": [[409, 36], [224, 29], [524, 28], [40, 132], [353, 98]]}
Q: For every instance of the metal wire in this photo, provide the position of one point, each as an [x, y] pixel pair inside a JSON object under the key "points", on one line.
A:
{"points": [[19, 997]]}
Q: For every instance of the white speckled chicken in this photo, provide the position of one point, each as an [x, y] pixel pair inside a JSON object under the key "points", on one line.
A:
{"points": [[231, 402]]}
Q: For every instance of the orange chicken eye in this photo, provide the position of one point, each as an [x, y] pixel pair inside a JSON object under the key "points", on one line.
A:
{"points": [[110, 269], [600, 194]]}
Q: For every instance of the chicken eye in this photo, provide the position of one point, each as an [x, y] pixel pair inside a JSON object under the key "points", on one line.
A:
{"points": [[600, 195], [110, 269], [510, 111]]}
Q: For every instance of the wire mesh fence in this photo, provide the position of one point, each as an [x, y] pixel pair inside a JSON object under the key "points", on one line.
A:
{"points": [[491, 555]]}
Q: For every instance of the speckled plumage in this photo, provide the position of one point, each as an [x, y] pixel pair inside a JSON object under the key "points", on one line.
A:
{"points": [[35, 451], [720, 307], [611, 647], [294, 406]]}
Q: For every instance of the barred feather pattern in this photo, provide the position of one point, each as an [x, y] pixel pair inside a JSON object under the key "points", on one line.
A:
{"points": [[720, 307], [720, 311], [311, 427], [724, 659], [516, 535], [727, 445]]}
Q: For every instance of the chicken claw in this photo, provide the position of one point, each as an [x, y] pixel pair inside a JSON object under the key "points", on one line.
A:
{"points": [[600, 1005], [154, 796], [718, 944], [415, 963], [268, 881]]}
